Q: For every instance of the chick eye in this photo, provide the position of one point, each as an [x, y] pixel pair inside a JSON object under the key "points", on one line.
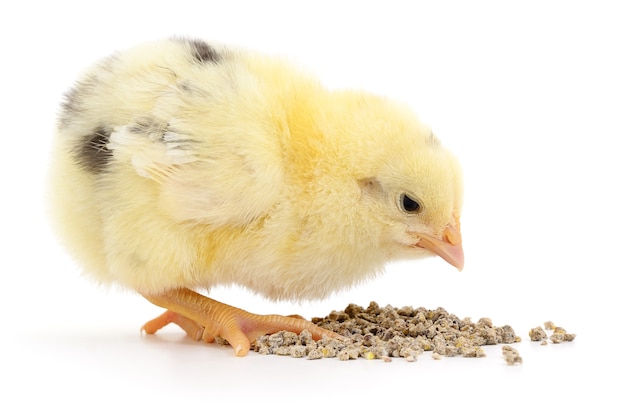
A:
{"points": [[409, 205]]}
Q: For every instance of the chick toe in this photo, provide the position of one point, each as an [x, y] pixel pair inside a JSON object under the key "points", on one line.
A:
{"points": [[203, 317], [192, 328]]}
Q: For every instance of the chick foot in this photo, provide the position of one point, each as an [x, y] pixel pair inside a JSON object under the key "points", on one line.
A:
{"points": [[192, 328], [204, 318]]}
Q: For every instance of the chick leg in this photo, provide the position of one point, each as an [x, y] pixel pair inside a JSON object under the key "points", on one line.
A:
{"points": [[192, 312]]}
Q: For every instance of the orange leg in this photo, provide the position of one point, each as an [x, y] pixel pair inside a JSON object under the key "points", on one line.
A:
{"points": [[204, 318]]}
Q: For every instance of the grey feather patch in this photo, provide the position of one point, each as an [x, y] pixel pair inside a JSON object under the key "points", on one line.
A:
{"points": [[92, 154], [71, 107], [71, 102], [203, 52], [148, 126], [433, 141]]}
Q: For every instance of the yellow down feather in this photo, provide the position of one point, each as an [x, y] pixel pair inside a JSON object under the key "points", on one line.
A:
{"points": [[183, 164]]}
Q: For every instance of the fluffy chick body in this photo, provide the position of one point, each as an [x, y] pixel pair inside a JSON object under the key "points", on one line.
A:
{"points": [[183, 164]]}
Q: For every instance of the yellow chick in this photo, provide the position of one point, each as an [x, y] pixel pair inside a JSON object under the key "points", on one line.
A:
{"points": [[181, 165]]}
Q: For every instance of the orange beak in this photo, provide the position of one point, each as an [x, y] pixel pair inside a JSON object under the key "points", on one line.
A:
{"points": [[449, 247]]}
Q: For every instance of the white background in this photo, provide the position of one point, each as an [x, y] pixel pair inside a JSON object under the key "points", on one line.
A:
{"points": [[530, 95]]}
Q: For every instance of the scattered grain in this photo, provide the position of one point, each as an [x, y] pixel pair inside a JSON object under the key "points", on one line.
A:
{"points": [[549, 325], [559, 334], [511, 355], [537, 334], [377, 332]]}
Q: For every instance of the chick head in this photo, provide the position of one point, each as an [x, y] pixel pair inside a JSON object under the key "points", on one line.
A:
{"points": [[411, 185]]}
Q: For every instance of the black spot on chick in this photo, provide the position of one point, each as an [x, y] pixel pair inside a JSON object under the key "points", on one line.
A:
{"points": [[93, 154], [203, 52]]}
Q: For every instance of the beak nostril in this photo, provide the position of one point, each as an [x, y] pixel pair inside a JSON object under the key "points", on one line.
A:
{"points": [[452, 236]]}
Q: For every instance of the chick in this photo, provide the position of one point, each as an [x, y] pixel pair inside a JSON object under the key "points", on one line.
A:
{"points": [[179, 165]]}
